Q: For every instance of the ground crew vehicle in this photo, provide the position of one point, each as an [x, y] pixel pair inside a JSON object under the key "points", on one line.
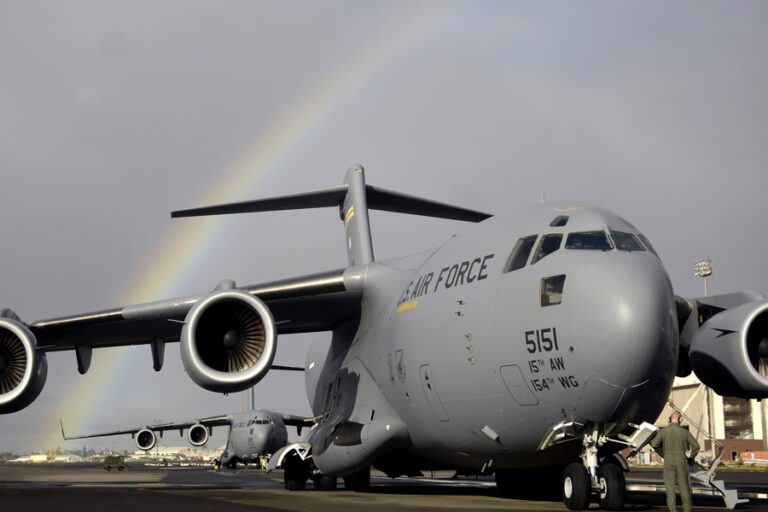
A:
{"points": [[114, 461]]}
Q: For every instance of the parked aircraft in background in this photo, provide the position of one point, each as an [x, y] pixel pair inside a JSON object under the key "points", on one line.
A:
{"points": [[540, 342], [252, 434]]}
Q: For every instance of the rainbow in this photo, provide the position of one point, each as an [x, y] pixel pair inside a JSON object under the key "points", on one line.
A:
{"points": [[163, 273]]}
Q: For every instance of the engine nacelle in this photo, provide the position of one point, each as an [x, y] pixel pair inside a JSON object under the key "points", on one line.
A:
{"points": [[228, 341], [729, 352], [146, 439], [197, 435], [22, 368]]}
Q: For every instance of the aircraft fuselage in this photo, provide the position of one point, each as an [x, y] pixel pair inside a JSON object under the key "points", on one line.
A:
{"points": [[479, 351], [254, 434]]}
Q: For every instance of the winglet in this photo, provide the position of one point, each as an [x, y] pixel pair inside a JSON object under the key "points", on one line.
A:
{"points": [[63, 435]]}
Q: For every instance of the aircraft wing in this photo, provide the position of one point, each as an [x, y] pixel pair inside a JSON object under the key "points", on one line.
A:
{"points": [[298, 421], [310, 303], [213, 421], [228, 336]]}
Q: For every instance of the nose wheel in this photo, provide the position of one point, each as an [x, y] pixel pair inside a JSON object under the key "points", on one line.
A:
{"points": [[576, 486], [582, 480], [613, 487]]}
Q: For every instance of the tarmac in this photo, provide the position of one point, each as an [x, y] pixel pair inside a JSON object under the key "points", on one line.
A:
{"points": [[88, 487]]}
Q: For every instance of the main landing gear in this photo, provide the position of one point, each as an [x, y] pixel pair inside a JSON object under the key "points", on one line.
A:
{"points": [[324, 482], [296, 472], [359, 481]]}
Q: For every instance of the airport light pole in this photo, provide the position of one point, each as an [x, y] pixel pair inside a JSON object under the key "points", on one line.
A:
{"points": [[703, 268]]}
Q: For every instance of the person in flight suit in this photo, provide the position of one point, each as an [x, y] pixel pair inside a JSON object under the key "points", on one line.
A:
{"points": [[671, 442]]}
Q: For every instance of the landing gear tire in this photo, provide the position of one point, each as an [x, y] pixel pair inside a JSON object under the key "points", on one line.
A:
{"points": [[576, 486], [296, 474], [613, 488], [324, 482], [359, 481]]}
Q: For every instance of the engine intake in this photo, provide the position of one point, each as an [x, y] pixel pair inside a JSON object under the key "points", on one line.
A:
{"points": [[228, 341], [146, 439], [729, 352], [197, 435], [23, 369]]}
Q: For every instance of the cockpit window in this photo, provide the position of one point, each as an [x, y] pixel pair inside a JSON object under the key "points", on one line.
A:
{"points": [[588, 240], [547, 245], [559, 221], [647, 244], [520, 253], [626, 241]]}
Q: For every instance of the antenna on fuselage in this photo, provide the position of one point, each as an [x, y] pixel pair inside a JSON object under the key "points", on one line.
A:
{"points": [[543, 199]]}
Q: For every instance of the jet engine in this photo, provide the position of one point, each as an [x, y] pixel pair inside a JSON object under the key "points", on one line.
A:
{"points": [[145, 439], [228, 341], [197, 435], [729, 352], [22, 368]]}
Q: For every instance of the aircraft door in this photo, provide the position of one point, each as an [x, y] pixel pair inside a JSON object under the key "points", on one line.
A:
{"points": [[430, 390], [516, 385]]}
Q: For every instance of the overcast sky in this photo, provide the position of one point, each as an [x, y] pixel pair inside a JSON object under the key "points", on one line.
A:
{"points": [[114, 114]]}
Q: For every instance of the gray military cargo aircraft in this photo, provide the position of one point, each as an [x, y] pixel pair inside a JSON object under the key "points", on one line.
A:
{"points": [[540, 342], [252, 434]]}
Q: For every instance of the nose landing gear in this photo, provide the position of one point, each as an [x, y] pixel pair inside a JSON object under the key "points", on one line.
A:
{"points": [[576, 486], [612, 487], [582, 480]]}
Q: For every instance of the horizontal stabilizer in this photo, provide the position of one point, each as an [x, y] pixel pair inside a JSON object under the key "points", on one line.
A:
{"points": [[377, 198], [386, 200], [332, 196]]}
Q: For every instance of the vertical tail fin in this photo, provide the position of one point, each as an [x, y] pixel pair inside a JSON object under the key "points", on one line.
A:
{"points": [[357, 228]]}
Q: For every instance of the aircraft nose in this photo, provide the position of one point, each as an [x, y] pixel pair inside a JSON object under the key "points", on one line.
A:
{"points": [[259, 440], [625, 324]]}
